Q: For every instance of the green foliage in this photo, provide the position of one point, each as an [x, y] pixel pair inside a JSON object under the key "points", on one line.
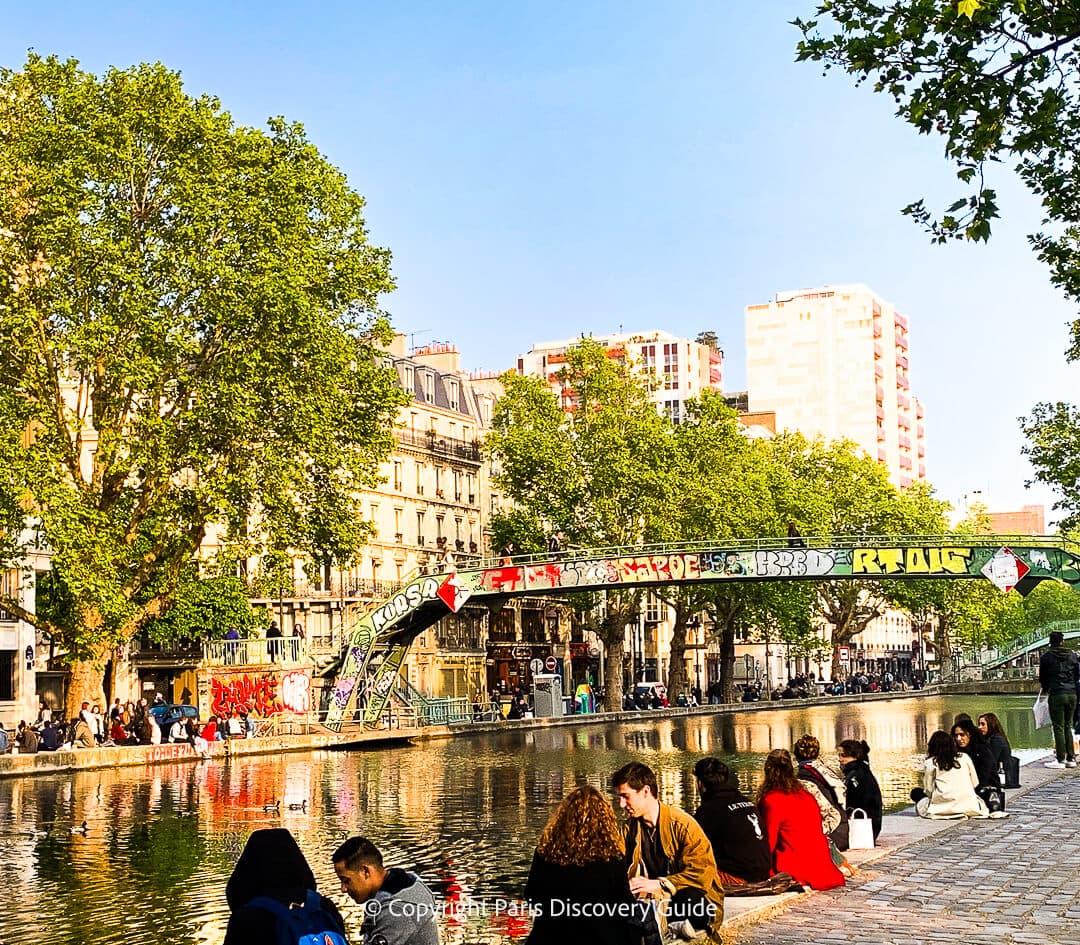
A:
{"points": [[597, 472], [1053, 432], [520, 526], [1000, 81], [203, 608], [189, 337]]}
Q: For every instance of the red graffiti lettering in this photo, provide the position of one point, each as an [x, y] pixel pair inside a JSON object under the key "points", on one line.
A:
{"points": [[503, 579], [543, 576], [250, 693]]}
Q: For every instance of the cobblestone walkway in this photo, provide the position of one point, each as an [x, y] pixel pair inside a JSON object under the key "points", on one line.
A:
{"points": [[991, 882]]}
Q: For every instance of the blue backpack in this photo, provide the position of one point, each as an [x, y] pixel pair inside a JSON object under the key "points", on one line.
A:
{"points": [[305, 924]]}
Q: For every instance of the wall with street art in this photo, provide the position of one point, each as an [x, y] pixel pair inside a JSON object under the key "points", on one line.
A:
{"points": [[263, 694]]}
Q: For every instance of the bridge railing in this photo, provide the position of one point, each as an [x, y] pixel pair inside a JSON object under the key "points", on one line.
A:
{"points": [[574, 553]]}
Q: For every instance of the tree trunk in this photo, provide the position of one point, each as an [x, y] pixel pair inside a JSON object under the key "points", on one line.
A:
{"points": [[620, 611], [677, 681], [84, 684], [727, 661]]}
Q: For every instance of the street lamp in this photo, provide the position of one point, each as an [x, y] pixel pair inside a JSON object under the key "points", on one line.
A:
{"points": [[957, 653]]}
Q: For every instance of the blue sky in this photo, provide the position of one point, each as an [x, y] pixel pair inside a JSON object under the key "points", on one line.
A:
{"points": [[543, 169]]}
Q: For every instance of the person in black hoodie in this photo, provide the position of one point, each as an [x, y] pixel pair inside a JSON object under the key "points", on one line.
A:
{"points": [[731, 823], [970, 741], [1059, 672], [863, 792], [271, 865]]}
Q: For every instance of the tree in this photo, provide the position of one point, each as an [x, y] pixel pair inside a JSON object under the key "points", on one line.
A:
{"points": [[189, 344], [1000, 81], [596, 471], [835, 489]]}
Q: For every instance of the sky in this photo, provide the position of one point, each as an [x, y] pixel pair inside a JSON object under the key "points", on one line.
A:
{"points": [[542, 169]]}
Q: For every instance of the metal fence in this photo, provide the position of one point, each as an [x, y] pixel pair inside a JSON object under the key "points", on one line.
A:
{"points": [[255, 652]]}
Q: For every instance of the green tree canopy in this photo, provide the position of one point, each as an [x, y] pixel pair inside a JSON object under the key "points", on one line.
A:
{"points": [[597, 471], [999, 80], [189, 334]]}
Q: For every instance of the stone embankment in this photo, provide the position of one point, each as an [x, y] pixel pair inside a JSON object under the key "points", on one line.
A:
{"points": [[980, 882]]}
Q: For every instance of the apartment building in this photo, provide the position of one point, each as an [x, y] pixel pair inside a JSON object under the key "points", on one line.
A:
{"points": [[834, 361], [678, 369]]}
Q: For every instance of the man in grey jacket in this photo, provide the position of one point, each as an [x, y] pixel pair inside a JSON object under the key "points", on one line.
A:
{"points": [[1059, 670], [398, 908]]}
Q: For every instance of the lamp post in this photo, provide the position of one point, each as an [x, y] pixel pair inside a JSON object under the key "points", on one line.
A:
{"points": [[957, 654]]}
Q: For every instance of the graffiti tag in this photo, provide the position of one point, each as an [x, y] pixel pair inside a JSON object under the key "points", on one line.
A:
{"points": [[405, 601], [258, 694], [658, 568], [794, 562], [911, 561]]}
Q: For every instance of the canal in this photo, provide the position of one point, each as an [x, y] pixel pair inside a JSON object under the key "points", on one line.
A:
{"points": [[465, 812]]}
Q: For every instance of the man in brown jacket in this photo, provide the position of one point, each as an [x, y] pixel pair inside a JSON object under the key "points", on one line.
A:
{"points": [[668, 856]]}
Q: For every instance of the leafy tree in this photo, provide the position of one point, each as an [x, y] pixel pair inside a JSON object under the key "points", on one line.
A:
{"points": [[189, 341], [836, 489], [1000, 81], [596, 471]]}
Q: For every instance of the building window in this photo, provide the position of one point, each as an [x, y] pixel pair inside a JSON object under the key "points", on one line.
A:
{"points": [[452, 394], [672, 409], [429, 387], [397, 475], [410, 379], [671, 366], [419, 478], [648, 359], [419, 528], [8, 660]]}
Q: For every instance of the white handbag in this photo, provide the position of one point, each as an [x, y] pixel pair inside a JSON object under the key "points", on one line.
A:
{"points": [[1042, 710], [860, 830]]}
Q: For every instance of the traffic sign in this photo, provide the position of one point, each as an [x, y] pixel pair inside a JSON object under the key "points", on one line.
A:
{"points": [[550, 664], [844, 654], [536, 665], [1005, 569]]}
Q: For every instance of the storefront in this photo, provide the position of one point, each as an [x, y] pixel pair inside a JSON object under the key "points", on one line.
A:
{"points": [[512, 665]]}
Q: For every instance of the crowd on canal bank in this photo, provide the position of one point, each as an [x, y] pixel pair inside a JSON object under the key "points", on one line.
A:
{"points": [[663, 874]]}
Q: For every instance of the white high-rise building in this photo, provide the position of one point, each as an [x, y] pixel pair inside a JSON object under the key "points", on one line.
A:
{"points": [[679, 368], [833, 361]]}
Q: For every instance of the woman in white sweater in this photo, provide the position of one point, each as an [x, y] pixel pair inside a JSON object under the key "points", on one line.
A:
{"points": [[949, 782]]}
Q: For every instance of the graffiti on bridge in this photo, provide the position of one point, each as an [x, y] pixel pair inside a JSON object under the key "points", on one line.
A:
{"points": [[911, 561]]}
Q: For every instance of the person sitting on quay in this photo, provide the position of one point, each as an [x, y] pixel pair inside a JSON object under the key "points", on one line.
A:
{"points": [[580, 861], [970, 741], [827, 788], [27, 739], [210, 732], [404, 910], [233, 726], [50, 737], [272, 867], [949, 782], [860, 786], [5, 741], [118, 735], [667, 854], [998, 744], [81, 735], [793, 826], [731, 822]]}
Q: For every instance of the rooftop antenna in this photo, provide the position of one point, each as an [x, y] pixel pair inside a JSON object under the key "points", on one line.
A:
{"points": [[412, 338]]}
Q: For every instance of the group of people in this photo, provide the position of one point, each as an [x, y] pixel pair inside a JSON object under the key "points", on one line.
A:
{"points": [[966, 770], [131, 723]]}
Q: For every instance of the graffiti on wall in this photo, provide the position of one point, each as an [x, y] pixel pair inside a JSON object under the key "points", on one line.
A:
{"points": [[261, 694]]}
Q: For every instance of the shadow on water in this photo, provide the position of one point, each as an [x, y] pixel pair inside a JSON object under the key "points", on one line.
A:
{"points": [[465, 812]]}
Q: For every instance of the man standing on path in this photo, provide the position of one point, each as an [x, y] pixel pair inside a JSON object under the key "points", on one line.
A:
{"points": [[398, 908], [668, 855], [1059, 671]]}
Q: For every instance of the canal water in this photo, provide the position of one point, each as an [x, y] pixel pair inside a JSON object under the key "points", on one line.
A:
{"points": [[465, 812]]}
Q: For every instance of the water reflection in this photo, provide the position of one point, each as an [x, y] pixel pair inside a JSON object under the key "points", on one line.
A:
{"points": [[162, 841]]}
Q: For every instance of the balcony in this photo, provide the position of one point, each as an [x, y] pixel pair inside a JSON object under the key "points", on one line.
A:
{"points": [[902, 342], [447, 446], [878, 352], [281, 650], [902, 382], [879, 371], [905, 462], [901, 362]]}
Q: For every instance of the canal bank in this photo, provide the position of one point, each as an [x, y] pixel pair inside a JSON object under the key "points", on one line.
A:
{"points": [[15, 765], [981, 882]]}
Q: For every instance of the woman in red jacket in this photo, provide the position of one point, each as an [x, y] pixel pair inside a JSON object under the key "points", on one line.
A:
{"points": [[793, 826]]}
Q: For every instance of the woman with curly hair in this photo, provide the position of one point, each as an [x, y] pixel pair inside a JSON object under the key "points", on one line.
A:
{"points": [[949, 782], [578, 886], [793, 825]]}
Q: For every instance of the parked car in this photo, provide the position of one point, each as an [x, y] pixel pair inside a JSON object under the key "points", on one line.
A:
{"points": [[648, 693], [165, 714]]}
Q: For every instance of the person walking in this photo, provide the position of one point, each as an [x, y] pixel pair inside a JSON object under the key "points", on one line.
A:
{"points": [[1059, 672]]}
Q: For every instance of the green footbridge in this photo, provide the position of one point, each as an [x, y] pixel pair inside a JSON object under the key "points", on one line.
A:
{"points": [[388, 629]]}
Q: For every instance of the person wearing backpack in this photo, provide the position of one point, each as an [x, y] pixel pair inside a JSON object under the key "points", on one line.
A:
{"points": [[273, 898], [399, 910]]}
